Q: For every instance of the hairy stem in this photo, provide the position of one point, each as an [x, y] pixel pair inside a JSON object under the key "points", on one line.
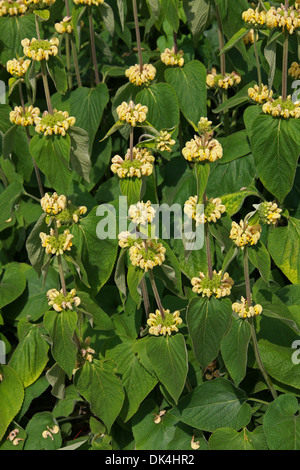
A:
{"points": [[93, 47], [37, 27], [156, 294], [285, 64], [253, 332], [137, 32], [145, 297], [46, 86], [207, 243], [75, 58], [175, 42], [60, 266], [131, 136], [68, 59], [257, 62]]}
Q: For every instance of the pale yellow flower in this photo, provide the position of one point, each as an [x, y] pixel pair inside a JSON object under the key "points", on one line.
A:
{"points": [[269, 212], [147, 254], [59, 301], [255, 17], [56, 123], [17, 67], [64, 26], [164, 141], [169, 57], [243, 234], [27, 116], [244, 310], [287, 20], [140, 165], [132, 113], [294, 70], [54, 204], [141, 77], [141, 213], [200, 150], [40, 49], [222, 81], [164, 326], [260, 95], [219, 286], [88, 2], [12, 8], [56, 245], [283, 109]]}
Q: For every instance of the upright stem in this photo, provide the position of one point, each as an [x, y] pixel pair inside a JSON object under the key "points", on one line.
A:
{"points": [[137, 32], [37, 27], [221, 40], [46, 86], [253, 332], [175, 42], [75, 58], [21, 95], [69, 73], [145, 297], [60, 267], [207, 244], [93, 47], [156, 294], [131, 135], [257, 62], [285, 65]]}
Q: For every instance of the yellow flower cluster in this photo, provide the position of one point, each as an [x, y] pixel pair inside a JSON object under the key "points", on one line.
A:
{"points": [[64, 26], [169, 57], [56, 123], [81, 210], [164, 326], [59, 302], [17, 67], [284, 109], [249, 37], [40, 3], [164, 141], [212, 211], [141, 75], [260, 95], [142, 213], [24, 116], [12, 8], [89, 2], [269, 212], [87, 354], [243, 234], [254, 17], [294, 70], [219, 286], [201, 150], [126, 239], [281, 18], [40, 49], [132, 113], [222, 81], [54, 204], [141, 164], [245, 311], [147, 254], [56, 245]]}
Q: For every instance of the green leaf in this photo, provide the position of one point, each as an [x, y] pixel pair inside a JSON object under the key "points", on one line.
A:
{"points": [[162, 104], [168, 356], [284, 248], [134, 277], [99, 319], [213, 405], [208, 321], [131, 188], [36, 253], [282, 423], [13, 30], [108, 17], [233, 202], [43, 14], [39, 423], [136, 380], [170, 10], [80, 156], [276, 146], [234, 40], [31, 355], [202, 174], [240, 98], [8, 199], [61, 327], [12, 284], [234, 349], [52, 156], [234, 146], [11, 397], [58, 73], [259, 256], [99, 385], [229, 439], [189, 83], [197, 15]]}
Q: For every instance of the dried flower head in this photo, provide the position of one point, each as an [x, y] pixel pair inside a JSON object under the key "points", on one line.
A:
{"points": [[164, 326]]}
